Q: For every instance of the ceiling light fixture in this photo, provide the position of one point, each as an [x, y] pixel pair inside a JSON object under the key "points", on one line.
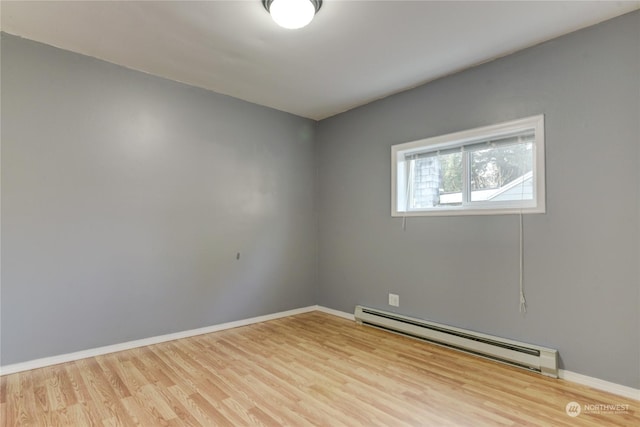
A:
{"points": [[292, 14]]}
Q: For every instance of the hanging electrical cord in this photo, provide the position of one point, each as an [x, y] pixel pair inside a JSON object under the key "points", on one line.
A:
{"points": [[406, 194], [523, 301]]}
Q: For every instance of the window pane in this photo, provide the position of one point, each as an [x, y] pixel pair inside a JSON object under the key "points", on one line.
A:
{"points": [[502, 173], [495, 169], [437, 181]]}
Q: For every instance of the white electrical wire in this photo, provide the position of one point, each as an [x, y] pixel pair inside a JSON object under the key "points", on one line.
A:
{"points": [[406, 195], [523, 301]]}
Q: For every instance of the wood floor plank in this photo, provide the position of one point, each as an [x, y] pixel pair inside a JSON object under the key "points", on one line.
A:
{"points": [[311, 369], [113, 369], [195, 410], [81, 393], [77, 415], [111, 410]]}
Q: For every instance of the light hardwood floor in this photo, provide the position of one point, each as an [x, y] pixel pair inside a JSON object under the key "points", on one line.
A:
{"points": [[309, 369]]}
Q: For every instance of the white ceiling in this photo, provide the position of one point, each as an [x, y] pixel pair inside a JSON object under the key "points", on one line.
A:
{"points": [[352, 52]]}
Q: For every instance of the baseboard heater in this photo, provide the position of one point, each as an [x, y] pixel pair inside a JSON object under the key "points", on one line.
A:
{"points": [[527, 356]]}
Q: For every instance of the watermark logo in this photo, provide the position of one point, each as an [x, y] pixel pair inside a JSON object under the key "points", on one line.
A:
{"points": [[573, 409], [606, 409]]}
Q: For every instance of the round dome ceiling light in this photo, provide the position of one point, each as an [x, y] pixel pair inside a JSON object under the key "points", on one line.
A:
{"points": [[292, 14]]}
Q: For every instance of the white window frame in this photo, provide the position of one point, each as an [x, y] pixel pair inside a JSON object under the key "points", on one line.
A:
{"points": [[399, 152]]}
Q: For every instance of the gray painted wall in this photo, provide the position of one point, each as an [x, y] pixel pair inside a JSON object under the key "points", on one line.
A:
{"points": [[125, 198], [581, 257]]}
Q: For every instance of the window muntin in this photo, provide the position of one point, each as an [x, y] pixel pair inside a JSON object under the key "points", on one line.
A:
{"points": [[491, 170]]}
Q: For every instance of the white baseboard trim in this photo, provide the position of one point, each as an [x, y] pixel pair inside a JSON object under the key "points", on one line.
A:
{"points": [[70, 357], [598, 384], [348, 316]]}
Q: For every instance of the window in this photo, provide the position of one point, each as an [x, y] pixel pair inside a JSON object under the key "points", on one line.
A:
{"points": [[496, 169]]}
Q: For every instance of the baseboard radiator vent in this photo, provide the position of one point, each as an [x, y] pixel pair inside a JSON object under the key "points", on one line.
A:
{"points": [[527, 356]]}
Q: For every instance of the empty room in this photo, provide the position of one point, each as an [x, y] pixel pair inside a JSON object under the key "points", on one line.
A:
{"points": [[320, 213]]}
